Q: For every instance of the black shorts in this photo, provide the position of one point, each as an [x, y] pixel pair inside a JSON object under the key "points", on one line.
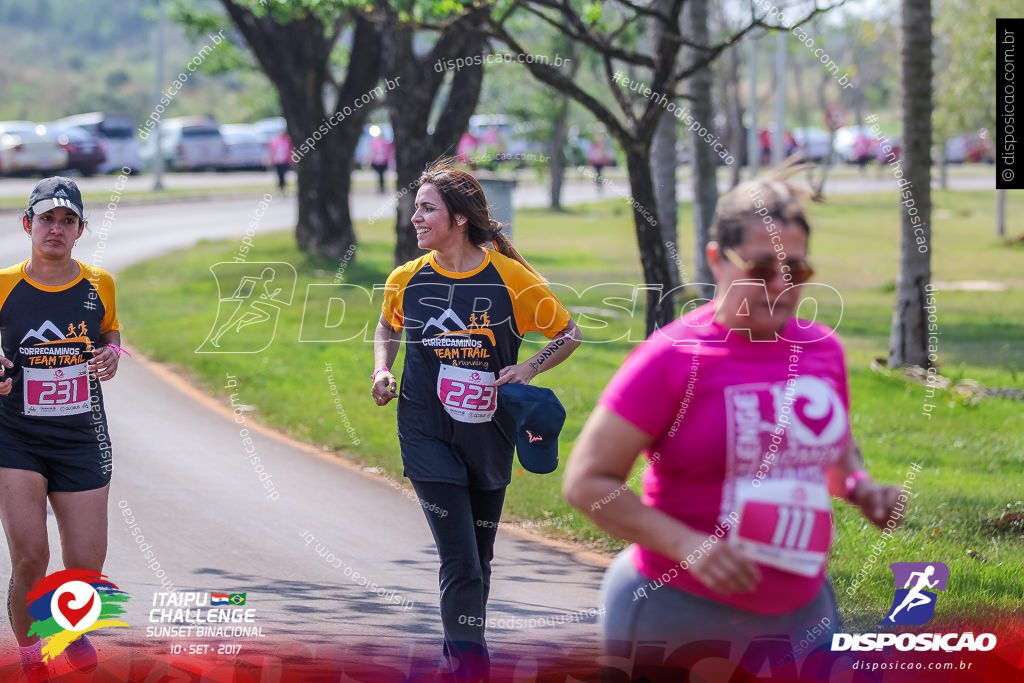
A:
{"points": [[475, 455], [79, 467]]}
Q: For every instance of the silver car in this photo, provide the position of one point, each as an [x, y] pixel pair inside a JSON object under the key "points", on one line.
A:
{"points": [[27, 147]]}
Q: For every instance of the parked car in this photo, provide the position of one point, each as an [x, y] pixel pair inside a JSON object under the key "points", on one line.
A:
{"points": [[979, 147], [117, 134], [27, 147], [243, 147], [846, 140], [86, 151], [189, 143], [268, 129], [956, 150], [500, 136], [814, 143]]}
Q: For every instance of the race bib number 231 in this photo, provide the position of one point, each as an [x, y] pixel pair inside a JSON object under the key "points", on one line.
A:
{"points": [[56, 391]]}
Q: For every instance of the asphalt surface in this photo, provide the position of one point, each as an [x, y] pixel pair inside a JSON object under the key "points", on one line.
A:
{"points": [[182, 472]]}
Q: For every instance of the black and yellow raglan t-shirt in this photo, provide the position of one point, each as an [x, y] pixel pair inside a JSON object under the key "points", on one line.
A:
{"points": [[461, 329], [48, 332]]}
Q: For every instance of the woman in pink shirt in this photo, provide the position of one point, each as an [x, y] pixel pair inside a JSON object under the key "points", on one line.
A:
{"points": [[743, 412]]}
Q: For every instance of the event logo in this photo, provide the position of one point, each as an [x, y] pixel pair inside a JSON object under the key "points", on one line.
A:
{"points": [[71, 602], [247, 317], [914, 602], [914, 605]]}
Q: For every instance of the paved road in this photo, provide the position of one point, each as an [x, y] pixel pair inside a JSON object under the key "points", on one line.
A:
{"points": [[183, 474]]}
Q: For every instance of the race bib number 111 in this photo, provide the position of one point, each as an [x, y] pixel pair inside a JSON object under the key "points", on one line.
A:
{"points": [[785, 524]]}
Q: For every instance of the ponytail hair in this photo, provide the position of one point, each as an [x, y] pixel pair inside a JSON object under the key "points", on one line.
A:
{"points": [[462, 194]]}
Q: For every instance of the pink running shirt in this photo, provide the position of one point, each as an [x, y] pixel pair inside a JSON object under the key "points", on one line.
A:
{"points": [[744, 432]]}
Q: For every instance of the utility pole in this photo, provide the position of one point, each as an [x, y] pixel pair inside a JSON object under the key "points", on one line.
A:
{"points": [[779, 134], [753, 139], [158, 157]]}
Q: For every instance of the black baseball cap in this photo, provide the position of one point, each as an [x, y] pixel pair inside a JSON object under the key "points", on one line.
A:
{"points": [[539, 417], [49, 193]]}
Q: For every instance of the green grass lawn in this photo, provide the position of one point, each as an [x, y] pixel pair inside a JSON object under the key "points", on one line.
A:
{"points": [[972, 456]]}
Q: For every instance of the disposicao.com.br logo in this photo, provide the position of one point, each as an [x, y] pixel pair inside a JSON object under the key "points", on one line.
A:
{"points": [[913, 604], [71, 602]]}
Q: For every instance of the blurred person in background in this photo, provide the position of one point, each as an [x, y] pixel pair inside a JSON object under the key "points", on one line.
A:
{"points": [[599, 156], [281, 157], [381, 153]]}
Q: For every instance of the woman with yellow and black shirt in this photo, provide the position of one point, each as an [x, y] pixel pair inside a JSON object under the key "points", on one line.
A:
{"points": [[60, 337], [464, 309]]}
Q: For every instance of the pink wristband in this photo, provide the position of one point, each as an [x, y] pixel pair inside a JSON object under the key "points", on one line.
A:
{"points": [[118, 350], [853, 479], [373, 377]]}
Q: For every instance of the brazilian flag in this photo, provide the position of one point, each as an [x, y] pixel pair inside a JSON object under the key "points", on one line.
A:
{"points": [[237, 598]]}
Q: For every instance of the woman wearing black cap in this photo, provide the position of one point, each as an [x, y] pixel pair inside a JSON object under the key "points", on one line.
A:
{"points": [[464, 309], [60, 339]]}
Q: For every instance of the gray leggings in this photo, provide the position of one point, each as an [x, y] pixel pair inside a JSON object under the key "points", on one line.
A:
{"points": [[653, 630]]}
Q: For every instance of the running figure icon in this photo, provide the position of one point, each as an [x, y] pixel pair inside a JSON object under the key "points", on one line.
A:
{"points": [[251, 310], [916, 598]]}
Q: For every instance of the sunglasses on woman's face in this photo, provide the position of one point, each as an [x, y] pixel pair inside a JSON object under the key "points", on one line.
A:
{"points": [[767, 268]]}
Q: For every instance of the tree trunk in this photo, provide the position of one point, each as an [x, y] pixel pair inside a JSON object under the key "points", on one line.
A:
{"points": [[560, 131], [736, 136], [663, 171], [324, 179], [943, 168], [295, 57], [908, 343], [411, 104], [556, 152], [653, 258], [705, 160]]}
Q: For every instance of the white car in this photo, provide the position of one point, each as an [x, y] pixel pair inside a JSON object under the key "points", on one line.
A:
{"points": [[846, 138], [189, 143], [118, 135], [27, 147], [244, 147], [268, 129], [814, 143]]}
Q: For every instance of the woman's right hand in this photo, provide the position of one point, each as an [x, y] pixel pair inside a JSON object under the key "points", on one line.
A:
{"points": [[384, 387], [5, 386], [725, 569]]}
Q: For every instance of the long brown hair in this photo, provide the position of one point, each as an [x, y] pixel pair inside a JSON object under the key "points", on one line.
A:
{"points": [[462, 194]]}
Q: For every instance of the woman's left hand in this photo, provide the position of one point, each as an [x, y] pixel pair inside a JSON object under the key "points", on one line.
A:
{"points": [[103, 364], [516, 374], [876, 502]]}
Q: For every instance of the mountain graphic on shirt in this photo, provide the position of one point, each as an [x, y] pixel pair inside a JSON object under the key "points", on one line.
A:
{"points": [[40, 334], [439, 322], [461, 329]]}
